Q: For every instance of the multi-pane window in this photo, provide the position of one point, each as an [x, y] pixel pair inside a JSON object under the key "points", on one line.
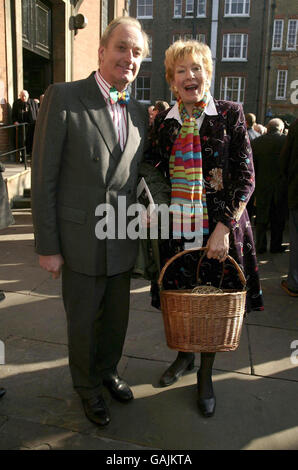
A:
{"points": [[292, 35], [281, 84], [178, 9], [277, 34], [237, 7], [144, 8], [232, 89], [189, 8], [201, 8], [142, 91], [234, 46]]}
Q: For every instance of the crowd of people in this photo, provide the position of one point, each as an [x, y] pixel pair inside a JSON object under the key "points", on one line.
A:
{"points": [[202, 149]]}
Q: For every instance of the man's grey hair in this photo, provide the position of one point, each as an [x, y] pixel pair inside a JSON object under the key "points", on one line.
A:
{"points": [[126, 20], [275, 125]]}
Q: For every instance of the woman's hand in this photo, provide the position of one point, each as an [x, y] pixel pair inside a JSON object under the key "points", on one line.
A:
{"points": [[218, 243]]}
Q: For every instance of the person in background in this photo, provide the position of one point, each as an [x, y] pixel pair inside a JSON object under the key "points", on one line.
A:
{"points": [[201, 146], [24, 110], [85, 159], [151, 115], [289, 170], [250, 123], [270, 191], [250, 119]]}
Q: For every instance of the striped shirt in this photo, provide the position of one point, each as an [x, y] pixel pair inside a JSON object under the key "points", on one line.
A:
{"points": [[117, 111]]}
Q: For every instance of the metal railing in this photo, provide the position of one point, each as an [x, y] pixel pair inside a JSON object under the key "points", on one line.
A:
{"points": [[17, 150]]}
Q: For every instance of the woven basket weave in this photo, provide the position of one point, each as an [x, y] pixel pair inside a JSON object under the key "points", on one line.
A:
{"points": [[202, 322]]}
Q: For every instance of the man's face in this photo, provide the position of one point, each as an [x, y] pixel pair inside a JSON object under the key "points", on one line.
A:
{"points": [[120, 60], [24, 96]]}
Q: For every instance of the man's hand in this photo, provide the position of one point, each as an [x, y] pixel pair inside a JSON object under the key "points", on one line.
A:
{"points": [[218, 243], [52, 264]]}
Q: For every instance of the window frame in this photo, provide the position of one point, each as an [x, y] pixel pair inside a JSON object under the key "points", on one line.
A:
{"points": [[145, 6], [224, 88], [278, 80], [276, 21], [288, 33], [191, 14], [202, 15], [143, 77], [243, 47], [228, 3], [181, 6]]}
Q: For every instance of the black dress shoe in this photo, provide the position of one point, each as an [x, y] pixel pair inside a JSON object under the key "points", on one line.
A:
{"points": [[96, 410], [2, 392], [207, 406], [118, 388], [2, 295], [183, 362]]}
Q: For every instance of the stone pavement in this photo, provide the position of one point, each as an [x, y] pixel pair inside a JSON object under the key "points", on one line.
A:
{"points": [[256, 386]]}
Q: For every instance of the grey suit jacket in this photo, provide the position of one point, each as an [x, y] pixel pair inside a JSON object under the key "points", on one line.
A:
{"points": [[77, 164]]}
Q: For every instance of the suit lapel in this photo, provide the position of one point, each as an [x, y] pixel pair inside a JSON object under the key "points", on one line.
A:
{"points": [[133, 141], [96, 107]]}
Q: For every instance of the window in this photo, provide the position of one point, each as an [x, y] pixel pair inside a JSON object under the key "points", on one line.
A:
{"points": [[149, 56], [281, 85], [142, 92], [277, 34], [145, 8], [232, 89], [201, 8], [178, 9], [292, 35], [189, 8], [237, 7], [234, 47]]}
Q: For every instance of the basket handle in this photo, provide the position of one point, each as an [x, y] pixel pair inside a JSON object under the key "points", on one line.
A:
{"points": [[170, 261]]}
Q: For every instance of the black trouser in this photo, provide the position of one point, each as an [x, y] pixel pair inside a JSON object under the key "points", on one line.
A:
{"points": [[97, 309], [277, 217]]}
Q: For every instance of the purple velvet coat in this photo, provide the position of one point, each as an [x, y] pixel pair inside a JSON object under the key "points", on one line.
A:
{"points": [[229, 181]]}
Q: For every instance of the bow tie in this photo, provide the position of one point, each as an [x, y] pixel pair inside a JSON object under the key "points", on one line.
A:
{"points": [[117, 97]]}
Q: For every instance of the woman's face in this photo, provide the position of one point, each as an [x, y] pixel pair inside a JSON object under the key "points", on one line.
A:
{"points": [[190, 79]]}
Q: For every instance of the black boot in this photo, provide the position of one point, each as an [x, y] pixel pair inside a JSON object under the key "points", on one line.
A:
{"points": [[206, 397], [183, 362]]}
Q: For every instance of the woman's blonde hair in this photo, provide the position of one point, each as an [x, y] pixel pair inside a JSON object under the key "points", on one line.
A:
{"points": [[181, 49], [126, 20]]}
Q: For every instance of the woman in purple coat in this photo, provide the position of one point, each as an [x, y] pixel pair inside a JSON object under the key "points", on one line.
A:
{"points": [[201, 145]]}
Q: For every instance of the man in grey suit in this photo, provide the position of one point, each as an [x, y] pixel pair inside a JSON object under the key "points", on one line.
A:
{"points": [[87, 150]]}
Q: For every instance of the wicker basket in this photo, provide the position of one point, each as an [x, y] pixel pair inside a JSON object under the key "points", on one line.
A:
{"points": [[202, 322]]}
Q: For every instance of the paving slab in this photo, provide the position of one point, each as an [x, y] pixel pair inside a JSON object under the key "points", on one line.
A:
{"points": [[271, 352], [248, 408], [32, 316]]}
